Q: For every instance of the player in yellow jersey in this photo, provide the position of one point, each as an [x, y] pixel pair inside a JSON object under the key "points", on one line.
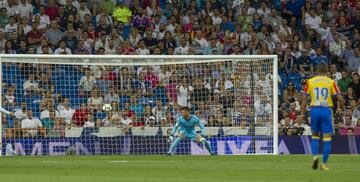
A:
{"points": [[321, 90]]}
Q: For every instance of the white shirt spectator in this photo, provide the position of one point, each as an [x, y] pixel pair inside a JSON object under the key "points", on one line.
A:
{"points": [[171, 28], [95, 101], [67, 114], [202, 43], [87, 84], [30, 85], [44, 20], [251, 11], [82, 13], [144, 51], [10, 28], [216, 20], [9, 98], [62, 51], [313, 22], [111, 97], [99, 44], [3, 3], [324, 32], [75, 3], [263, 12], [25, 10], [89, 124], [13, 11], [181, 50], [39, 50], [20, 115], [245, 38], [97, 71], [337, 48], [126, 121], [32, 123], [183, 95], [46, 114], [286, 30]]}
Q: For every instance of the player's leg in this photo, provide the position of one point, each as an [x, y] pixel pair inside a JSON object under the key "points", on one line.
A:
{"points": [[176, 142], [200, 139], [327, 128], [315, 128]]}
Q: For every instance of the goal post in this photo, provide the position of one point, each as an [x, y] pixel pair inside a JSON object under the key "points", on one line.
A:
{"points": [[58, 101]]}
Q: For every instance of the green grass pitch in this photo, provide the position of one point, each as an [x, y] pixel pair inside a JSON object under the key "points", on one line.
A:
{"points": [[293, 168]]}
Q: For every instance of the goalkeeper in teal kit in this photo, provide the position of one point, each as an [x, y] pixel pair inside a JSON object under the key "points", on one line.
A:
{"points": [[186, 125]]}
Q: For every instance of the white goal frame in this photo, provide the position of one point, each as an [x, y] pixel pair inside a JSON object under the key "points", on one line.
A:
{"points": [[120, 60]]}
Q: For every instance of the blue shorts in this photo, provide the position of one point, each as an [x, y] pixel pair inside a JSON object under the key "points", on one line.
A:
{"points": [[321, 120]]}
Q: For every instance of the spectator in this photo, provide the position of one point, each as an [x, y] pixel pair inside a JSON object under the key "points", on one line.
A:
{"points": [[141, 22], [334, 73], [25, 9], [90, 121], [289, 93], [53, 35], [112, 96], [159, 111], [142, 50], [344, 82], [80, 115], [136, 107], [49, 122], [69, 9], [31, 126], [183, 49], [319, 58], [46, 113], [34, 36], [355, 85], [62, 48], [44, 19], [184, 90], [80, 49], [66, 112], [20, 114], [11, 26], [31, 86], [354, 61], [111, 121], [95, 101], [122, 14]]}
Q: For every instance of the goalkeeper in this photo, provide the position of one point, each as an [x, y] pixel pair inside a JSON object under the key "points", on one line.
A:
{"points": [[186, 125]]}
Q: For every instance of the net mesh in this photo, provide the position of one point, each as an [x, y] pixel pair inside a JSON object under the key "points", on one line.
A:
{"points": [[60, 105]]}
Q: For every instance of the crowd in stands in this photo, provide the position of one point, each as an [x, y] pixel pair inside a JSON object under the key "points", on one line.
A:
{"points": [[302, 33]]}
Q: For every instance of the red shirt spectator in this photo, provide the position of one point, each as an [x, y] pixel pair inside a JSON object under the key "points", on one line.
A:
{"points": [[152, 78], [35, 36], [80, 115], [51, 10]]}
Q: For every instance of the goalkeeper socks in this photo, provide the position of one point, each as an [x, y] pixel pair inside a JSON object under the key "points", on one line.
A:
{"points": [[315, 145], [207, 145], [174, 144], [326, 149]]}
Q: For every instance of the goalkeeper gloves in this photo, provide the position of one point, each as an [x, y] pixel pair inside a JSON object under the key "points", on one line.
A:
{"points": [[171, 138]]}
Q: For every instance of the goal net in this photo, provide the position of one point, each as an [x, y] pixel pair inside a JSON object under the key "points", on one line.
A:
{"points": [[107, 105]]}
